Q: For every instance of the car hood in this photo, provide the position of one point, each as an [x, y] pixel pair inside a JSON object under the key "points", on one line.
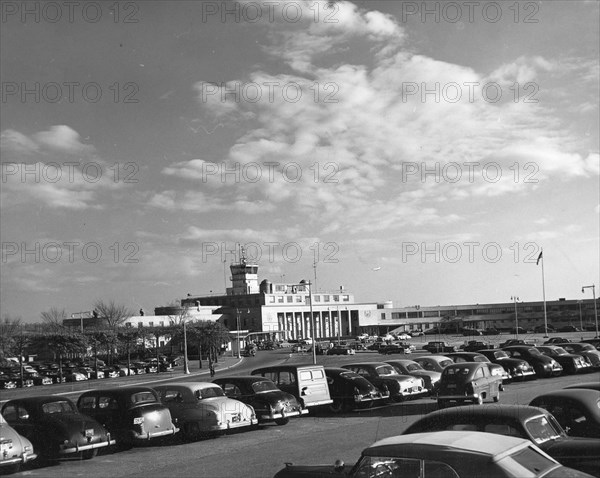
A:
{"points": [[573, 447]]}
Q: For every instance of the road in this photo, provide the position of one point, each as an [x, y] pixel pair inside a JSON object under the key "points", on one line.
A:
{"points": [[321, 438]]}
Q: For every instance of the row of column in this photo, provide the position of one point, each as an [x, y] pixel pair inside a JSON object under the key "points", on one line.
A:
{"points": [[297, 325]]}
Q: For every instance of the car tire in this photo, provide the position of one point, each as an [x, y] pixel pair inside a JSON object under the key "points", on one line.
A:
{"points": [[497, 397], [282, 421], [89, 454], [479, 400], [338, 406]]}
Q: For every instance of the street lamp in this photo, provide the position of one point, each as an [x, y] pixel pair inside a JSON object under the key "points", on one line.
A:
{"points": [[593, 287], [515, 299]]}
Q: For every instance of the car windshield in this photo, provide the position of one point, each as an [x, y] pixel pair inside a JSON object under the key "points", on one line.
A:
{"points": [[542, 429], [500, 354], [351, 375], [413, 367], [445, 363], [209, 392], [61, 406], [264, 386], [529, 459], [533, 351], [560, 351], [386, 370], [142, 397]]}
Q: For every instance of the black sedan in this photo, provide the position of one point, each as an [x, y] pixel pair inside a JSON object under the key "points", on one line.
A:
{"points": [[269, 402], [543, 365], [577, 410], [571, 363], [535, 424], [349, 390], [517, 369], [55, 427]]}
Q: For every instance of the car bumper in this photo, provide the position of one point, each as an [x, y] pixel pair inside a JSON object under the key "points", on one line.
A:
{"points": [[68, 449], [149, 435], [523, 373], [459, 398], [233, 425], [24, 458], [412, 392], [277, 416]]}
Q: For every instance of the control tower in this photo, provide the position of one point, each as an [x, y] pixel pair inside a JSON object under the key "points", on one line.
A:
{"points": [[244, 277]]}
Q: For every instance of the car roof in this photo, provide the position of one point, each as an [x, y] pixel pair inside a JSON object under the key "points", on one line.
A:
{"points": [[582, 395], [513, 411], [188, 385], [434, 357], [40, 399], [469, 365], [242, 378], [444, 443], [365, 364], [119, 391]]}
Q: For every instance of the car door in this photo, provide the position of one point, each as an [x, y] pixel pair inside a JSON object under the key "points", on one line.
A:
{"points": [[20, 417]]}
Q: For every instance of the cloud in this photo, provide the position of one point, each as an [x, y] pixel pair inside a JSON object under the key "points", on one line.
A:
{"points": [[62, 138]]}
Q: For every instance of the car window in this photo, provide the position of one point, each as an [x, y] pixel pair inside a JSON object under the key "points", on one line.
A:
{"points": [[287, 378], [386, 370], [426, 365], [503, 429], [263, 386], [10, 412], [527, 459], [460, 427], [436, 469], [317, 374], [142, 397], [445, 363], [57, 407], [500, 355], [87, 403], [388, 467], [172, 396], [541, 430], [209, 392]]}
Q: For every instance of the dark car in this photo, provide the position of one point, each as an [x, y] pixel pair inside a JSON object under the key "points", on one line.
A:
{"points": [[410, 367], [386, 378], [587, 350], [588, 385], [571, 363], [568, 328], [349, 390], [55, 427], [468, 382], [130, 414], [532, 423], [393, 349], [577, 410], [543, 365], [466, 331], [515, 368], [476, 346], [540, 329], [556, 340], [510, 342], [436, 347], [447, 454], [491, 331], [495, 369], [269, 402]]}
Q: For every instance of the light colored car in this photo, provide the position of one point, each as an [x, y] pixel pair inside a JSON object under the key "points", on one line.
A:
{"points": [[15, 450], [434, 363], [468, 382], [447, 454], [202, 408], [410, 367]]}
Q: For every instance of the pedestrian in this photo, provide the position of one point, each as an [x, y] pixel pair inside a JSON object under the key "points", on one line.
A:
{"points": [[212, 369]]}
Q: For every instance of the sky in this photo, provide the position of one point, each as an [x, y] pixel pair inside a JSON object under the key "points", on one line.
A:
{"points": [[418, 152]]}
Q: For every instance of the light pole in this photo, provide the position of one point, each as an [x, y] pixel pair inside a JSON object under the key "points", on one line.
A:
{"points": [[186, 368], [237, 314], [593, 287], [312, 325], [515, 299], [580, 316]]}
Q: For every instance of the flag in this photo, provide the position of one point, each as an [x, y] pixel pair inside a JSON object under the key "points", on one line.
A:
{"points": [[539, 257]]}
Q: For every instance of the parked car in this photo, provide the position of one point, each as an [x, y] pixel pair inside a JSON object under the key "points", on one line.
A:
{"points": [[587, 350], [518, 330], [571, 363], [430, 378], [37, 378], [307, 383], [577, 410], [72, 375], [55, 427], [201, 409], [350, 391], [403, 336], [588, 385], [495, 369], [510, 342], [595, 342], [437, 347], [467, 331], [532, 423], [6, 382], [541, 329], [447, 454], [269, 402], [516, 369], [341, 350], [434, 363], [468, 382], [569, 328], [491, 331], [109, 372], [15, 450], [543, 365], [556, 340], [476, 346], [385, 377], [393, 349], [131, 414]]}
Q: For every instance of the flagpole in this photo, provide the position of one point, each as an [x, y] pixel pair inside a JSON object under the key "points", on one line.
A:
{"points": [[544, 295]]}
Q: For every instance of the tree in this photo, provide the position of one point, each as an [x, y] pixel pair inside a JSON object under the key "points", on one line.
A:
{"points": [[9, 329], [54, 319], [64, 345], [114, 314]]}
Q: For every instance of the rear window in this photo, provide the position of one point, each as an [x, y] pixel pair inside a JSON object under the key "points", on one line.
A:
{"points": [[58, 407], [142, 397], [386, 370], [527, 459], [263, 386]]}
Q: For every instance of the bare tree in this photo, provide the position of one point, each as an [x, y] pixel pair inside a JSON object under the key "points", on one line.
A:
{"points": [[10, 328], [113, 314], [54, 319]]}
